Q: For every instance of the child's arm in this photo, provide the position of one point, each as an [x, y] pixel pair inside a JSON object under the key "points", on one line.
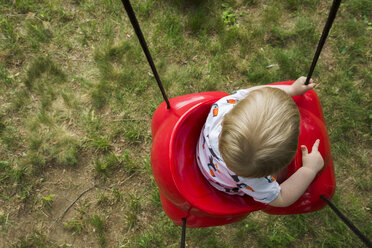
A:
{"points": [[297, 88], [295, 185]]}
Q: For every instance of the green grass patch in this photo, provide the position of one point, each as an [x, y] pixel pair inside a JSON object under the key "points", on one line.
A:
{"points": [[77, 97]]}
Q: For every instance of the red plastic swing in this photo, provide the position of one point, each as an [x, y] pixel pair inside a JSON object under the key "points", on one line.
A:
{"points": [[184, 191]]}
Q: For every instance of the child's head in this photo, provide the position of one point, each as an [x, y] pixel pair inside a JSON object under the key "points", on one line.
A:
{"points": [[260, 134]]}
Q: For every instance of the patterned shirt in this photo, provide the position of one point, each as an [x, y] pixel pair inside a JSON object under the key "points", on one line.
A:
{"points": [[214, 169]]}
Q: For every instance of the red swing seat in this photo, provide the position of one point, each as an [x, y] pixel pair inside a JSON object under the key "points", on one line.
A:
{"points": [[185, 193]]}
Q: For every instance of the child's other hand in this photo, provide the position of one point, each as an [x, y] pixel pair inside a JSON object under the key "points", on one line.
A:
{"points": [[299, 87], [314, 160]]}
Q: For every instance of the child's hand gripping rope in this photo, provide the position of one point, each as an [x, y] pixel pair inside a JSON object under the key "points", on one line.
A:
{"points": [[299, 87]]}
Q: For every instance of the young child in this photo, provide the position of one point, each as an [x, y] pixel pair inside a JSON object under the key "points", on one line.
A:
{"points": [[251, 135]]}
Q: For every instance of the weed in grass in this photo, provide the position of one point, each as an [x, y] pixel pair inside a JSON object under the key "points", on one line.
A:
{"points": [[47, 201], [99, 225], [228, 16]]}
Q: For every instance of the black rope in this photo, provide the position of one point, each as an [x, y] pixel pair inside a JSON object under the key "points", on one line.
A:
{"points": [[142, 41], [327, 27], [183, 238], [348, 222]]}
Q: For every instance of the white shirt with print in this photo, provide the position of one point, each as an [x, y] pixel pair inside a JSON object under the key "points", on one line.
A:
{"points": [[212, 166]]}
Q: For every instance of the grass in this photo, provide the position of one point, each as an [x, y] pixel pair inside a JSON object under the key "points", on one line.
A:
{"points": [[77, 97], [99, 226]]}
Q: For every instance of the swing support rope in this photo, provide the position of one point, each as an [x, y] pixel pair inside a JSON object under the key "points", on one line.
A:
{"points": [[348, 222], [327, 27], [183, 237], [137, 29]]}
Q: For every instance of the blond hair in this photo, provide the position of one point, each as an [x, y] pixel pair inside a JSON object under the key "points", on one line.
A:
{"points": [[260, 134]]}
